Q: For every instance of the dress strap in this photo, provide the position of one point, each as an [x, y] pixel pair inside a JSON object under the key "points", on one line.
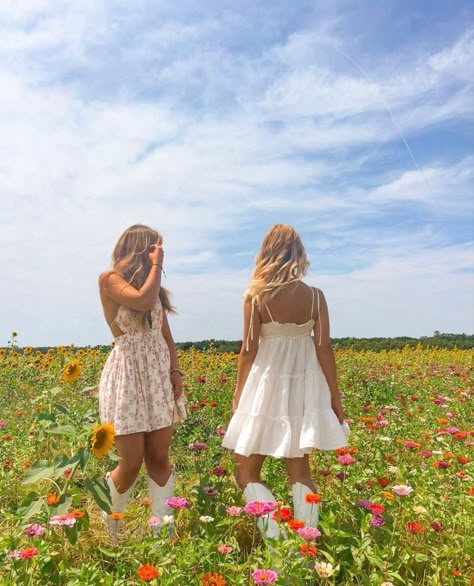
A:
{"points": [[269, 312], [319, 317], [250, 330], [312, 304]]}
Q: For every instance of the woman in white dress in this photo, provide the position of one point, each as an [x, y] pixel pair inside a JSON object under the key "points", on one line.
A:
{"points": [[286, 402]]}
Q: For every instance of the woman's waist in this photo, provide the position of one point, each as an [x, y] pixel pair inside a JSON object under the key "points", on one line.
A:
{"points": [[127, 337]]}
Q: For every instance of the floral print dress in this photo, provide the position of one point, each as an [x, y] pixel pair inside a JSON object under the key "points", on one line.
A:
{"points": [[135, 391]]}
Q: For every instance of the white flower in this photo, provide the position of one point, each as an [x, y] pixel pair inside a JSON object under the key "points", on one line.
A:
{"points": [[206, 519], [386, 584], [385, 438], [393, 469], [419, 510], [167, 520], [324, 569]]}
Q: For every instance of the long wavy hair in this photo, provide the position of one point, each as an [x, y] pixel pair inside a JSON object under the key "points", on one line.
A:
{"points": [[131, 261], [281, 260]]}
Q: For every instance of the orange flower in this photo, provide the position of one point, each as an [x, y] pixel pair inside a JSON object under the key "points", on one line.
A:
{"points": [[398, 441], [442, 421], [462, 460], [53, 499], [414, 527], [470, 492], [148, 573], [76, 514], [448, 455], [295, 524], [388, 495], [282, 515], [367, 419], [383, 481], [313, 498], [118, 517], [426, 435], [214, 579]]}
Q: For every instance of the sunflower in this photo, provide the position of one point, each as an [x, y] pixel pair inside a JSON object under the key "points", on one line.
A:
{"points": [[14, 334], [102, 439], [27, 350], [72, 371]]}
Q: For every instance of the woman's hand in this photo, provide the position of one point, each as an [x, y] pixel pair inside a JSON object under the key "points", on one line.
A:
{"points": [[156, 254], [177, 384], [235, 402], [336, 405]]}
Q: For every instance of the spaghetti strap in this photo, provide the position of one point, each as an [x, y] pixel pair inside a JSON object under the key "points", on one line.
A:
{"points": [[312, 303], [319, 317], [250, 330], [269, 313]]}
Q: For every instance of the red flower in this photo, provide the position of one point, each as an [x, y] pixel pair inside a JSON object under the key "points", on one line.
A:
{"points": [[28, 553], [214, 579], [383, 481], [282, 514], [462, 460], [312, 498], [437, 526], [212, 404], [191, 406], [414, 527], [308, 550], [376, 509], [148, 573]]}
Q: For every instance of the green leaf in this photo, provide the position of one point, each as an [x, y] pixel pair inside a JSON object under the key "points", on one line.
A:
{"points": [[40, 470], [64, 505], [84, 455], [109, 553], [62, 408], [55, 391], [61, 429], [31, 505], [62, 464], [71, 533], [99, 489]]}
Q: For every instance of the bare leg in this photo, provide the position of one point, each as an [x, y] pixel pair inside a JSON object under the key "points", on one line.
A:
{"points": [[157, 444], [299, 471], [247, 469], [130, 450]]}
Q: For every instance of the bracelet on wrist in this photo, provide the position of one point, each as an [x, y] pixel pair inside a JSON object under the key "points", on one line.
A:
{"points": [[176, 370]]}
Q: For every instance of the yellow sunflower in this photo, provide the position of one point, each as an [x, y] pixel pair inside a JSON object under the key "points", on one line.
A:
{"points": [[102, 439], [14, 334], [27, 350], [72, 371]]}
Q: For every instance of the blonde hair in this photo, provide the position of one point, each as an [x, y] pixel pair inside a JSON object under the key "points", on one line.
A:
{"points": [[281, 260], [130, 259]]}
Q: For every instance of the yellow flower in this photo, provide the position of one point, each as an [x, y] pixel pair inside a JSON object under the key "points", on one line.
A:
{"points": [[27, 350], [324, 569], [102, 439], [72, 371], [2, 351], [14, 334]]}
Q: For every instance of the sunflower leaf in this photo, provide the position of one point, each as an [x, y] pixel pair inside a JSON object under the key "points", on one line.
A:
{"points": [[99, 489], [40, 470]]}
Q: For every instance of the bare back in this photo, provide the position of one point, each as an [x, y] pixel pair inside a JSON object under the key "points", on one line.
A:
{"points": [[294, 303]]}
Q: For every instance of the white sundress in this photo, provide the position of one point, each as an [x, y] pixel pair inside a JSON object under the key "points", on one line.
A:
{"points": [[135, 390], [285, 406]]}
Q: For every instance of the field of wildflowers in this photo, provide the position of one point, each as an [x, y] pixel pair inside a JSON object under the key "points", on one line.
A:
{"points": [[396, 506]]}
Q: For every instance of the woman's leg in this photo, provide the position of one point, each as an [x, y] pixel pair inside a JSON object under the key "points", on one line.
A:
{"points": [[157, 445], [299, 471], [248, 468], [130, 450]]}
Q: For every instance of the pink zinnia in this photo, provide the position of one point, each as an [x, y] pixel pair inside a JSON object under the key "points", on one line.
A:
{"points": [[426, 454], [347, 459], [62, 520], [234, 511], [198, 446], [3, 423], [309, 533], [221, 431], [259, 508], [35, 530], [210, 491], [14, 554], [402, 489], [264, 576], [154, 521], [177, 502], [225, 549]]}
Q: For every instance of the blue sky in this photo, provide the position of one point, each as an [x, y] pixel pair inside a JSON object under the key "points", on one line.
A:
{"points": [[353, 121]]}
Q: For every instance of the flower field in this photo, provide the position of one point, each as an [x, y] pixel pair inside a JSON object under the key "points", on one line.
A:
{"points": [[396, 506]]}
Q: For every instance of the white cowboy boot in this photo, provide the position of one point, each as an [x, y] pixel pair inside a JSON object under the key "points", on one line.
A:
{"points": [[159, 495], [119, 502], [254, 491], [307, 512]]}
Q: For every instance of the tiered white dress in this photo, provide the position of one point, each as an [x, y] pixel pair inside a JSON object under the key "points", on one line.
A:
{"points": [[135, 391], [285, 406]]}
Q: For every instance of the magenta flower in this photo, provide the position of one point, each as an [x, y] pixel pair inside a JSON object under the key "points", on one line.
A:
{"points": [[341, 476], [198, 446], [346, 459], [3, 423], [437, 526], [364, 504], [309, 533], [234, 511], [377, 521], [35, 530], [426, 454], [259, 508], [210, 491], [177, 502], [202, 379], [264, 576], [221, 431], [219, 471]]}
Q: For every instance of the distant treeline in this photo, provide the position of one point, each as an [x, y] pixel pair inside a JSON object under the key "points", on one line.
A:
{"points": [[440, 340], [461, 341]]}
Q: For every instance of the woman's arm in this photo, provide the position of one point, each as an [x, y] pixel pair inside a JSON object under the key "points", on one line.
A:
{"points": [[117, 288], [325, 353], [175, 374], [249, 349]]}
